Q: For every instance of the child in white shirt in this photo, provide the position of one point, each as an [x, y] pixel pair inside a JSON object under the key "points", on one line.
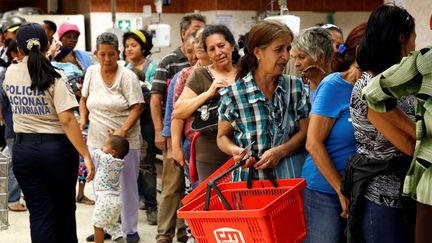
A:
{"points": [[107, 188]]}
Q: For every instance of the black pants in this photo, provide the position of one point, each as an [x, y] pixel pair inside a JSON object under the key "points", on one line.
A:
{"points": [[46, 167], [147, 175]]}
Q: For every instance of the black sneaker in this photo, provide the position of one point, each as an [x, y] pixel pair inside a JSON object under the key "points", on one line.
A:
{"points": [[133, 238], [90, 238]]}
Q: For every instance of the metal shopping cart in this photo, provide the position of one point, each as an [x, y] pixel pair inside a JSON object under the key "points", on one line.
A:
{"points": [[4, 163]]}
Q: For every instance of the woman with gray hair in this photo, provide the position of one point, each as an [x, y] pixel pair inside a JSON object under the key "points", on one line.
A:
{"points": [[330, 141], [112, 101], [313, 53]]}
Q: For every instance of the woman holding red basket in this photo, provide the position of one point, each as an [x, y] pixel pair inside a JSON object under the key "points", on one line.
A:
{"points": [[265, 108]]}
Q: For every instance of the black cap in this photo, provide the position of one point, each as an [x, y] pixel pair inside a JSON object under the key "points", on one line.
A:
{"points": [[31, 34]]}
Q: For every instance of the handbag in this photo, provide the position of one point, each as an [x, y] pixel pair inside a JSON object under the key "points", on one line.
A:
{"points": [[206, 116]]}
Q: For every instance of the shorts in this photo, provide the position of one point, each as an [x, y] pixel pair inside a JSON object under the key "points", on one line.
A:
{"points": [[106, 214]]}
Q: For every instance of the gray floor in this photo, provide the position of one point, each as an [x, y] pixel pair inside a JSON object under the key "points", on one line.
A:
{"points": [[19, 230]]}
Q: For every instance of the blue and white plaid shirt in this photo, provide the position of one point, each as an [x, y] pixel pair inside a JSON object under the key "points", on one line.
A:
{"points": [[268, 123]]}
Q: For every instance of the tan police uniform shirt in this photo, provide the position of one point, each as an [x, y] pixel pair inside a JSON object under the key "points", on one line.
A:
{"points": [[36, 111], [109, 107]]}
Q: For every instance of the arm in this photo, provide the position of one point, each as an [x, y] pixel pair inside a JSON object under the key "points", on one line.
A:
{"points": [[156, 114], [271, 157], [176, 136], [83, 112], [189, 101], [132, 119], [318, 131], [72, 131], [226, 144], [390, 123]]}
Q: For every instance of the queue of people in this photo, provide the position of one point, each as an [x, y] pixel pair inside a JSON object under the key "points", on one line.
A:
{"points": [[344, 117]]}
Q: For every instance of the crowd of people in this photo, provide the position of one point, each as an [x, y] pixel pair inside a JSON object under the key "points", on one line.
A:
{"points": [[354, 123]]}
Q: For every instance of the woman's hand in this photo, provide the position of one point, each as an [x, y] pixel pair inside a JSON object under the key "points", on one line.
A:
{"points": [[215, 86], [269, 159], [90, 168], [54, 49], [344, 204], [240, 154], [119, 132], [178, 155], [82, 124], [313, 73]]}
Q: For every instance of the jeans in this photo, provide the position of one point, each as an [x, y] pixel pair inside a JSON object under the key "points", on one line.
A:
{"points": [[323, 221], [186, 148], [13, 187], [383, 224]]}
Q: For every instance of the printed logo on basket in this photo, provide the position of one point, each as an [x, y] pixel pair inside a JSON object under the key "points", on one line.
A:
{"points": [[228, 235]]}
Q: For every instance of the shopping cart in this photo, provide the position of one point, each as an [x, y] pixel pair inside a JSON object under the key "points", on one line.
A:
{"points": [[4, 163], [264, 213]]}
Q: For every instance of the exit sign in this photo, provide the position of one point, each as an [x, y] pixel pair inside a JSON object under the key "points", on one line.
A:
{"points": [[124, 25]]}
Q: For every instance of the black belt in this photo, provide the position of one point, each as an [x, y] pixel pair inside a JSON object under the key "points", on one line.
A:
{"points": [[38, 137]]}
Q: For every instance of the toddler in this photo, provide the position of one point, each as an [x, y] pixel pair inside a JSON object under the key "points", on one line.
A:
{"points": [[107, 188]]}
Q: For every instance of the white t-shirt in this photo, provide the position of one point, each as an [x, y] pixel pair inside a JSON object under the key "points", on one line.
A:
{"points": [[36, 111], [109, 107]]}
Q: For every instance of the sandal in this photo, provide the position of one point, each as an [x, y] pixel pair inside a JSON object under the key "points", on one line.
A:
{"points": [[85, 200], [17, 207]]}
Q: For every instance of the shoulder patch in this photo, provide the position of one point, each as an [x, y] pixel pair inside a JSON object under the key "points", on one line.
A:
{"points": [[69, 87]]}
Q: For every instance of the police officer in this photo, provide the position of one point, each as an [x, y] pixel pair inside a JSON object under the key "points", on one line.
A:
{"points": [[47, 139]]}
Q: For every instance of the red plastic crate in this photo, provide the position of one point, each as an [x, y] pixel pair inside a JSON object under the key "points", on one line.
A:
{"points": [[261, 214], [201, 188]]}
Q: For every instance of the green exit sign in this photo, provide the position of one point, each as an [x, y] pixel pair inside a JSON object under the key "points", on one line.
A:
{"points": [[124, 25]]}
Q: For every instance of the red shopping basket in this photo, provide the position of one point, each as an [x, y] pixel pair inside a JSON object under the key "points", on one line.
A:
{"points": [[264, 213], [201, 188]]}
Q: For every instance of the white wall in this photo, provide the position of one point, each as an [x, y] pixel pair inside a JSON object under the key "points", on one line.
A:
{"points": [[241, 21], [77, 19], [421, 10]]}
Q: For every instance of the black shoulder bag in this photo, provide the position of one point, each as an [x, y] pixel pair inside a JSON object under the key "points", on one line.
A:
{"points": [[206, 116]]}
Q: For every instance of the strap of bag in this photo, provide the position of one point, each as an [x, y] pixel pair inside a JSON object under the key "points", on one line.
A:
{"points": [[210, 73]]}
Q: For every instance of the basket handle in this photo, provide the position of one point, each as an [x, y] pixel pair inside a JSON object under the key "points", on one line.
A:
{"points": [[212, 184]]}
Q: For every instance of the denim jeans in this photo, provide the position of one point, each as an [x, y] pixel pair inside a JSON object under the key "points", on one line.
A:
{"points": [[13, 187], [323, 221], [186, 148], [381, 224]]}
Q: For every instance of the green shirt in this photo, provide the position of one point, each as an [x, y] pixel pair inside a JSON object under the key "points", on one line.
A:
{"points": [[413, 76]]}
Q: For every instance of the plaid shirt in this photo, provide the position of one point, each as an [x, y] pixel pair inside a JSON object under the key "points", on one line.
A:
{"points": [[413, 76], [254, 117]]}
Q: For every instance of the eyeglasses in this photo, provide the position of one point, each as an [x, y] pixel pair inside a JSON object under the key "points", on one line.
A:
{"points": [[330, 26]]}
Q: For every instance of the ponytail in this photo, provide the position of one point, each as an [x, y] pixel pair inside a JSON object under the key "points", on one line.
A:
{"points": [[248, 62], [42, 73]]}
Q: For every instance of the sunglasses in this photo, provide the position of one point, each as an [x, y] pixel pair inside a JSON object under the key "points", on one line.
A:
{"points": [[330, 26]]}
